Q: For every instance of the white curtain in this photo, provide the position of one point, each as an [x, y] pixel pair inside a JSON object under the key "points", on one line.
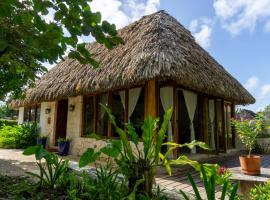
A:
{"points": [[123, 98], [212, 123], [166, 97], [133, 96], [103, 100], [191, 103]]}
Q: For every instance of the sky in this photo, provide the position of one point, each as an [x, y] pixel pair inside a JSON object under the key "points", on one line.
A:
{"points": [[235, 32]]}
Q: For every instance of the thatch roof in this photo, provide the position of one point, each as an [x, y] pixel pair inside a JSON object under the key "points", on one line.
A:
{"points": [[156, 46]]}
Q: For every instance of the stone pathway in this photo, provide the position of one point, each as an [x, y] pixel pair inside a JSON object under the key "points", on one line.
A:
{"points": [[14, 163]]}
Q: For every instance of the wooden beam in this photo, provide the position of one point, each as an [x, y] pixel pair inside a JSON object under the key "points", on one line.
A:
{"points": [[152, 98], [175, 121]]}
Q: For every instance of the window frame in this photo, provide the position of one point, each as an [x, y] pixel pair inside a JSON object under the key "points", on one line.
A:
{"points": [[28, 109]]}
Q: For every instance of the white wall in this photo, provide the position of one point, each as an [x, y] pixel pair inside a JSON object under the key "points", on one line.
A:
{"points": [[20, 116]]}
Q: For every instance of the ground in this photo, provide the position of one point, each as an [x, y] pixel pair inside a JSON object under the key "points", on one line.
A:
{"points": [[14, 164]]}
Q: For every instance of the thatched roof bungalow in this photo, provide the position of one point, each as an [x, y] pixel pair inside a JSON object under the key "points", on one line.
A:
{"points": [[159, 66]]}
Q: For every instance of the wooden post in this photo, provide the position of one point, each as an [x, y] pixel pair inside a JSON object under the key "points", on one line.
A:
{"points": [[205, 119], [233, 129], [152, 98], [175, 122]]}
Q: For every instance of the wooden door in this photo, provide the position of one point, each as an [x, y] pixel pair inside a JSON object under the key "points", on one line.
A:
{"points": [[61, 120]]}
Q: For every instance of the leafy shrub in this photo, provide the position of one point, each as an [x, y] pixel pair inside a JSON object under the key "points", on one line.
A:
{"points": [[7, 122], [18, 136], [139, 164], [51, 170], [260, 192], [210, 183]]}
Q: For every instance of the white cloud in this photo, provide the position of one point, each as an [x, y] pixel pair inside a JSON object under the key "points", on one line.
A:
{"points": [[123, 12], [202, 30], [267, 27], [238, 15], [265, 91], [252, 83]]}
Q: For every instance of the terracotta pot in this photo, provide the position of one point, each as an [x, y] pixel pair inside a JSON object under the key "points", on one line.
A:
{"points": [[250, 165]]}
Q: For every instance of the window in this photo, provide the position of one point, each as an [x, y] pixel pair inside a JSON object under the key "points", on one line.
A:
{"points": [[32, 114], [137, 115], [102, 117], [118, 110], [89, 115]]}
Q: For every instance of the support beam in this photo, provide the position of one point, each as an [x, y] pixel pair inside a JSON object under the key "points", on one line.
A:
{"points": [[151, 98]]}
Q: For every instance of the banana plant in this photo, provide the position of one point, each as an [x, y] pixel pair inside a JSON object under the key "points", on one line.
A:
{"points": [[210, 183], [138, 162]]}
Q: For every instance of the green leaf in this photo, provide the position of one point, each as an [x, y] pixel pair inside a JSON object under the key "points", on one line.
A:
{"points": [[184, 195], [3, 44], [89, 156], [112, 149], [132, 133], [194, 186]]}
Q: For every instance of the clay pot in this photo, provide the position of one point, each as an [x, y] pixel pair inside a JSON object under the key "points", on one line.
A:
{"points": [[250, 165]]}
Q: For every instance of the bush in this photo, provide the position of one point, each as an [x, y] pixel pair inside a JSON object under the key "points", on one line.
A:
{"points": [[7, 122], [18, 136], [260, 192]]}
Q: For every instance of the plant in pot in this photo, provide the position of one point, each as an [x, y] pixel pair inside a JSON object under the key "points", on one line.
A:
{"points": [[63, 146], [248, 130], [42, 140]]}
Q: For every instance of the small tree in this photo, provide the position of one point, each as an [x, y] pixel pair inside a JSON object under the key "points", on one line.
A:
{"points": [[137, 163], [248, 130]]}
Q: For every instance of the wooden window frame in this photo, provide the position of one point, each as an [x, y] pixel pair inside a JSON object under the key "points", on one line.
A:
{"points": [[29, 108], [95, 95]]}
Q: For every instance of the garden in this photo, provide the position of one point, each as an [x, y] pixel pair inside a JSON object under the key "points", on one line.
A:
{"points": [[129, 171]]}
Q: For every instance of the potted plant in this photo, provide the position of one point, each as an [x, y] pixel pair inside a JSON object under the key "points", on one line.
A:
{"points": [[248, 130], [63, 146], [42, 140]]}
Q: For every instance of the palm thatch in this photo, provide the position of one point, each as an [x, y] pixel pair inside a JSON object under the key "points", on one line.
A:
{"points": [[156, 46]]}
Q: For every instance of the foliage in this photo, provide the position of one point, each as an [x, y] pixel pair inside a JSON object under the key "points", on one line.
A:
{"points": [[63, 140], [28, 37], [248, 130], [260, 192], [137, 163], [7, 122], [5, 112], [19, 136], [52, 170], [210, 183]]}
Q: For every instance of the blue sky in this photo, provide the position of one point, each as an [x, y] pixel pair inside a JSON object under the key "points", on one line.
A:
{"points": [[235, 32]]}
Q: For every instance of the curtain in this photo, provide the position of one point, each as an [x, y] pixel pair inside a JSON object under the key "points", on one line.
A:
{"points": [[212, 123], [191, 103], [123, 97], [166, 97], [103, 100], [133, 96]]}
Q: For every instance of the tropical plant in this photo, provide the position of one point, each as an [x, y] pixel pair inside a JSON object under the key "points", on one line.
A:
{"points": [[260, 192], [138, 163], [63, 140], [7, 122], [210, 183], [51, 170], [248, 130], [18, 136]]}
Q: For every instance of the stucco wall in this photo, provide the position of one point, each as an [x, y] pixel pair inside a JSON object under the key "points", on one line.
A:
{"points": [[20, 116], [47, 121], [74, 128]]}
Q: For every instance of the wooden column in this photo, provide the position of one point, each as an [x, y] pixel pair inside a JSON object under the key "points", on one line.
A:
{"points": [[233, 129], [175, 122], [151, 98], [205, 119]]}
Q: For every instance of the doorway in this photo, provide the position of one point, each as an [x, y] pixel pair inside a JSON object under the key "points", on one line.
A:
{"points": [[221, 138], [61, 120]]}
